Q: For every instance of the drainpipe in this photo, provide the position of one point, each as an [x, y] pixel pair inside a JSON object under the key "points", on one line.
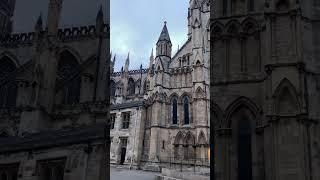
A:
{"points": [[134, 142]]}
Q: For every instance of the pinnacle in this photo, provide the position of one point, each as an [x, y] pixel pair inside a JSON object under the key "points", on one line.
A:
{"points": [[164, 36]]}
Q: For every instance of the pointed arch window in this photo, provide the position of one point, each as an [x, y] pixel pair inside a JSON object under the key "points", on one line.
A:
{"points": [[67, 73], [186, 110], [131, 87], [174, 111], [113, 88], [8, 88]]}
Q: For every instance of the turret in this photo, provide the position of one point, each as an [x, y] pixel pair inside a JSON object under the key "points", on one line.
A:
{"points": [[164, 46]]}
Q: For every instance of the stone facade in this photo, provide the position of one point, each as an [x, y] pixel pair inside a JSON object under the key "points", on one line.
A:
{"points": [[6, 13], [53, 101], [173, 122], [265, 89]]}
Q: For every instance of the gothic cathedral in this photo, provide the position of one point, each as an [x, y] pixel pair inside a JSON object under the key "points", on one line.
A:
{"points": [[265, 89]]}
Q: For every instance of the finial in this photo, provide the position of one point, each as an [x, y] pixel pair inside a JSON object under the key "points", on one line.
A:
{"points": [[39, 22], [141, 66], [165, 22]]}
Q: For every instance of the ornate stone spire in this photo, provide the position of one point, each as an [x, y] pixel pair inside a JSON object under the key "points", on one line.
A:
{"points": [[164, 36], [164, 43]]}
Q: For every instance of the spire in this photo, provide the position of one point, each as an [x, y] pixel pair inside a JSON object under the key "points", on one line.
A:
{"points": [[164, 46], [164, 36], [151, 56], [38, 26], [99, 20], [151, 59], [114, 59], [126, 66]]}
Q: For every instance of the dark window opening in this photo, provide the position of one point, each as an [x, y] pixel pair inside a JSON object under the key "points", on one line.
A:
{"points": [[112, 120], [163, 143], [68, 74], [224, 7], [131, 87], [174, 111], [125, 120], [244, 151], [186, 110], [51, 169], [251, 5], [8, 90]]}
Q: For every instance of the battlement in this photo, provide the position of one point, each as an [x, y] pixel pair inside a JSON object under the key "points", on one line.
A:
{"points": [[135, 71], [72, 33]]}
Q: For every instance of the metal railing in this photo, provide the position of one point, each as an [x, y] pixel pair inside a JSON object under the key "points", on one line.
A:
{"points": [[181, 163]]}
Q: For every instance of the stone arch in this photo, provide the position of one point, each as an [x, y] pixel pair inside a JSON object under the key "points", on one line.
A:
{"points": [[4, 133], [202, 147], [71, 51], [189, 139], [179, 139], [202, 140], [240, 103], [249, 25], [286, 99], [189, 149], [11, 56], [217, 30], [199, 92], [233, 27], [185, 94], [178, 145]]}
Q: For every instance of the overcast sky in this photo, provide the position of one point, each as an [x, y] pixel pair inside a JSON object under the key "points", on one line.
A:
{"points": [[135, 24], [74, 13]]}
